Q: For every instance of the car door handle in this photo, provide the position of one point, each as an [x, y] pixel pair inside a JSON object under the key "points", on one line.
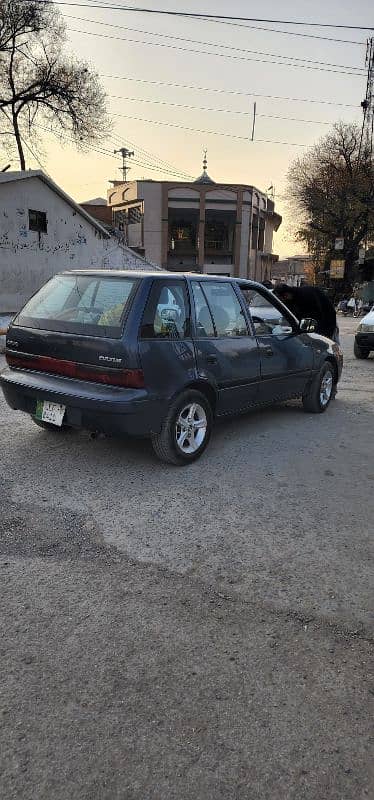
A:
{"points": [[267, 351], [211, 359]]}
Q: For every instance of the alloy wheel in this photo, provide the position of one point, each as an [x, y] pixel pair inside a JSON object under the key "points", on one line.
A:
{"points": [[191, 428], [325, 391]]}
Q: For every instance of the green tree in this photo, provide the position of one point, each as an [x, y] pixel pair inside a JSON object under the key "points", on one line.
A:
{"points": [[331, 195], [41, 86]]}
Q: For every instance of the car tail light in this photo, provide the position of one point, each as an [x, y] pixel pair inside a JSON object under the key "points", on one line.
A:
{"points": [[128, 378]]}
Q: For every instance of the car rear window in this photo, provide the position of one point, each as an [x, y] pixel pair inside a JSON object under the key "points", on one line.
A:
{"points": [[85, 304]]}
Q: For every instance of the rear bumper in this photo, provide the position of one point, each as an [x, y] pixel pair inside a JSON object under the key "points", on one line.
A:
{"points": [[90, 406], [365, 340]]}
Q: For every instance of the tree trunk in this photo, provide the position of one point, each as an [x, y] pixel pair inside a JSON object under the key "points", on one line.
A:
{"points": [[18, 140]]}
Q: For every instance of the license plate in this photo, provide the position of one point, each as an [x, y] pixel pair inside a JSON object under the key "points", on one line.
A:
{"points": [[50, 412]]}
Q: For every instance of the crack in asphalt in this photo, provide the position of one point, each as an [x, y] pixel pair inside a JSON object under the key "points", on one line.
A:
{"points": [[27, 530]]}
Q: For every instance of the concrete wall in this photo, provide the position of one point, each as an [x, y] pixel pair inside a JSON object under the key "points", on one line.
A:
{"points": [[123, 193], [28, 258], [152, 194]]}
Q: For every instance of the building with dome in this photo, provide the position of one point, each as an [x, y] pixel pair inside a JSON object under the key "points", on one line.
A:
{"points": [[202, 226]]}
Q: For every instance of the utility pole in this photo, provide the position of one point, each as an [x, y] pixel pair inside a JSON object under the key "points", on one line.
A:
{"points": [[125, 153], [367, 104], [254, 121]]}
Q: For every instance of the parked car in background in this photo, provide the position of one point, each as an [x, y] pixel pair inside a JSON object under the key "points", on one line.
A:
{"points": [[160, 355], [364, 339]]}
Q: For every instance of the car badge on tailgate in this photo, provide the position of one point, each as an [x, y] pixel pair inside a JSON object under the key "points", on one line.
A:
{"points": [[12, 343], [110, 360]]}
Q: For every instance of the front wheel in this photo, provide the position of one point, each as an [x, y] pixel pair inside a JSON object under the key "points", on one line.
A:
{"points": [[360, 352], [186, 430], [322, 390]]}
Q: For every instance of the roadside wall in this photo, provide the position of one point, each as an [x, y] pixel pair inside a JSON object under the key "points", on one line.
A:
{"points": [[29, 258]]}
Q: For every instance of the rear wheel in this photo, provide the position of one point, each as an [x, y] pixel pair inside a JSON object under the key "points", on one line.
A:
{"points": [[360, 352], [49, 427], [186, 430], [322, 390]]}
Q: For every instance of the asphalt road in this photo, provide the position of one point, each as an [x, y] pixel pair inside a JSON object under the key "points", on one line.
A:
{"points": [[191, 634]]}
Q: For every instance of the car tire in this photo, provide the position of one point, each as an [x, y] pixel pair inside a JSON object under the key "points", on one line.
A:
{"points": [[186, 430], [47, 426], [322, 390], [360, 352]]}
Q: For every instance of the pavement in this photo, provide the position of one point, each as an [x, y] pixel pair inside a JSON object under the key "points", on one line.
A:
{"points": [[191, 634]]}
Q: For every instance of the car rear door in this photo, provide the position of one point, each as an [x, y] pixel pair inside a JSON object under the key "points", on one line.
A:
{"points": [[286, 354], [227, 353], [165, 345]]}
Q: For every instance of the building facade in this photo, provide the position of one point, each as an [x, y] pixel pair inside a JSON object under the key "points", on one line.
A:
{"points": [[44, 231], [202, 226], [295, 270]]}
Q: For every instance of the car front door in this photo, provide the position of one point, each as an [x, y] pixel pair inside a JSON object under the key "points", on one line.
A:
{"points": [[227, 353], [286, 354]]}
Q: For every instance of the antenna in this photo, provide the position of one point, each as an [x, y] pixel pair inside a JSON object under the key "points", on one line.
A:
{"points": [[125, 153]]}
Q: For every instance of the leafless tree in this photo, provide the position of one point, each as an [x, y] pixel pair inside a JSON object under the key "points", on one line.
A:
{"points": [[41, 86], [331, 195]]}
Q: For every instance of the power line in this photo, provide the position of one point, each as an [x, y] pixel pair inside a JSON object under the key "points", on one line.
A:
{"points": [[214, 55], [109, 154], [155, 159], [226, 17], [217, 110], [283, 33], [238, 92], [33, 154], [211, 44], [210, 133]]}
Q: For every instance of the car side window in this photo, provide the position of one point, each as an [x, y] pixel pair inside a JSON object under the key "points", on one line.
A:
{"points": [[167, 313], [204, 321], [225, 309], [267, 319]]}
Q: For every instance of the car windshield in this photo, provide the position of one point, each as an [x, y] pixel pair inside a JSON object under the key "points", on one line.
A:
{"points": [[85, 304]]}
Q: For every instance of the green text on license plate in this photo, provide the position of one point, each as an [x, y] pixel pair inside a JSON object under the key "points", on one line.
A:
{"points": [[50, 412]]}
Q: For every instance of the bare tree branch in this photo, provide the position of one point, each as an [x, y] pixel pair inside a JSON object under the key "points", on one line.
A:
{"points": [[40, 83]]}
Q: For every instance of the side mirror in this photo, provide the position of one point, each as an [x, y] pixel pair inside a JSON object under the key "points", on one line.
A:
{"points": [[169, 314], [308, 325]]}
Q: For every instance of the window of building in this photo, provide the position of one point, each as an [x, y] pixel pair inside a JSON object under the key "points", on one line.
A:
{"points": [[261, 234], [225, 308], [167, 314], [254, 241], [119, 220], [134, 215], [183, 231], [220, 234], [37, 221], [204, 321]]}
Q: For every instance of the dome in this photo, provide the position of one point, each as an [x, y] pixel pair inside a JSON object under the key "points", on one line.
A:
{"points": [[204, 178]]}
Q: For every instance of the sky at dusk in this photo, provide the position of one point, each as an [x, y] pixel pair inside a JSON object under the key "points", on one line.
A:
{"points": [[135, 59]]}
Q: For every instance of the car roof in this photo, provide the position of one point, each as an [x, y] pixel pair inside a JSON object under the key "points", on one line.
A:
{"points": [[162, 274]]}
